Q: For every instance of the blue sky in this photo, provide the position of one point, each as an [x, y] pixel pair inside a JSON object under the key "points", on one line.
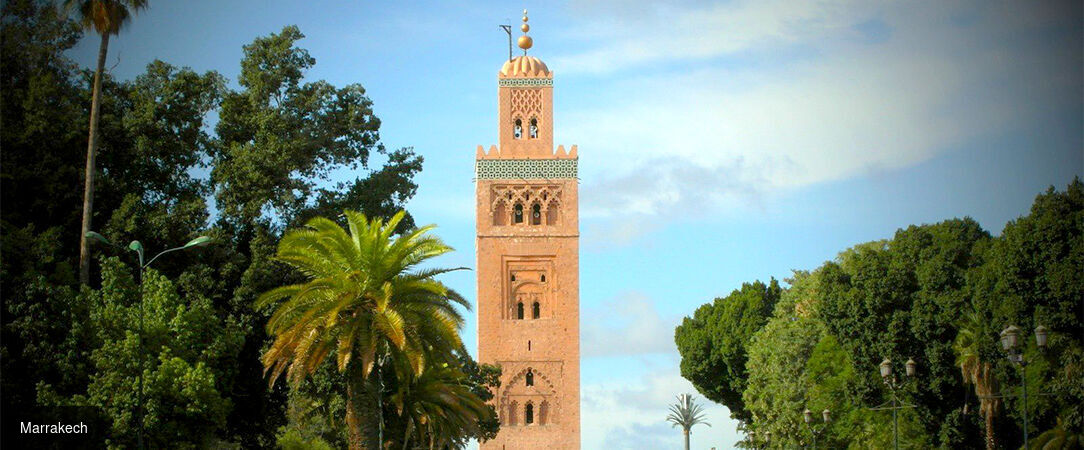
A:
{"points": [[719, 142]]}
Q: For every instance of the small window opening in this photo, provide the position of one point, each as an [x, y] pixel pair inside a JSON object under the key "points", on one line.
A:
{"points": [[536, 310], [536, 214], [517, 130], [519, 310], [529, 377], [513, 277], [543, 278], [517, 214], [528, 345], [534, 129], [528, 414]]}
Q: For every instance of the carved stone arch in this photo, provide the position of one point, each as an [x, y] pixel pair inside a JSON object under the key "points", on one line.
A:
{"points": [[515, 395], [511, 413], [527, 293], [553, 210], [543, 413], [533, 125], [542, 383], [517, 126], [519, 213], [501, 212], [536, 214]]}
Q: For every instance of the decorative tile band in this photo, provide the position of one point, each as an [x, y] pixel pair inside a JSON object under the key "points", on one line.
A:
{"points": [[524, 82], [527, 169]]}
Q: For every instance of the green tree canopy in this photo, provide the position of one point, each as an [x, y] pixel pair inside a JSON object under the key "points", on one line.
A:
{"points": [[713, 343]]}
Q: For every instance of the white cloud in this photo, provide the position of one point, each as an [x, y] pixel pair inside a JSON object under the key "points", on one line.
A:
{"points": [[633, 415], [630, 35], [627, 325], [708, 107]]}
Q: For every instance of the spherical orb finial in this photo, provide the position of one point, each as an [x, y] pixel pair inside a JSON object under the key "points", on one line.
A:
{"points": [[525, 42]]}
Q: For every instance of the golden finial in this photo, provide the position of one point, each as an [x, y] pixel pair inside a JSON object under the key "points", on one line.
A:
{"points": [[525, 41]]}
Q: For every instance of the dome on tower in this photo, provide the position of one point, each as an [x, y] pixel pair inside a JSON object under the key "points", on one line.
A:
{"points": [[524, 67]]}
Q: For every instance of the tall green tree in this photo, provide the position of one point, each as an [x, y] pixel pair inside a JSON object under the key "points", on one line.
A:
{"points": [[439, 409], [152, 141], [713, 343], [1032, 278], [184, 349], [280, 136], [367, 301], [973, 339], [105, 17], [686, 413]]}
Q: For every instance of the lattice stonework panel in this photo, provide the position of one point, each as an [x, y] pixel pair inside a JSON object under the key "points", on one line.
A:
{"points": [[525, 82], [527, 102], [526, 169]]}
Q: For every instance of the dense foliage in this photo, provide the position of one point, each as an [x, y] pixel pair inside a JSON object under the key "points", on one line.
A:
{"points": [[275, 141], [367, 305], [714, 342], [939, 294]]}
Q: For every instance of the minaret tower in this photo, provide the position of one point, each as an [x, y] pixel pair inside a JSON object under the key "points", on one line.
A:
{"points": [[528, 264]]}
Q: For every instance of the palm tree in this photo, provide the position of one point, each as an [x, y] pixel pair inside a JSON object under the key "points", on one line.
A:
{"points": [[1059, 438], [437, 406], [686, 413], [367, 301], [969, 340], [106, 17]]}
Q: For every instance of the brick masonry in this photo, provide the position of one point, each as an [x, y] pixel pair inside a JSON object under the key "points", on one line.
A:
{"points": [[528, 266]]}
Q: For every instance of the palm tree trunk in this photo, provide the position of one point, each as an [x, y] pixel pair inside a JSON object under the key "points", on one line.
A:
{"points": [[406, 436], [92, 147], [354, 393], [686, 439], [990, 444]]}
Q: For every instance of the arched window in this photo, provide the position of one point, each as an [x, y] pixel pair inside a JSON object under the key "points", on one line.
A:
{"points": [[536, 214], [517, 129], [543, 413], [536, 310], [529, 378], [517, 213], [519, 310], [543, 278], [513, 409], [533, 131], [528, 414]]}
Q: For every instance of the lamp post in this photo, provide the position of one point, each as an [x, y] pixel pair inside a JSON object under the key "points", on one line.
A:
{"points": [[816, 431], [1010, 338], [137, 247], [893, 384]]}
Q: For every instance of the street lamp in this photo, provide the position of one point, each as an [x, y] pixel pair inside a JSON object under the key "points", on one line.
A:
{"points": [[1010, 341], [894, 385], [816, 431], [137, 247]]}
